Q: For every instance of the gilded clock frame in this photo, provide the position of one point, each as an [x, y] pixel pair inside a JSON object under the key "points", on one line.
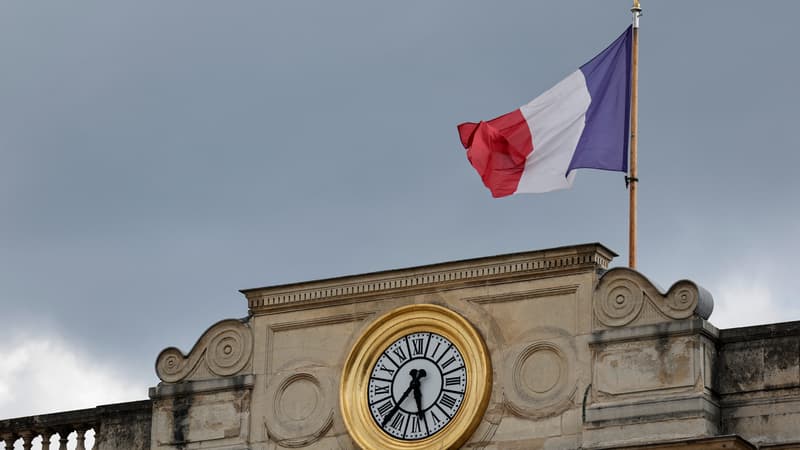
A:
{"points": [[383, 332]]}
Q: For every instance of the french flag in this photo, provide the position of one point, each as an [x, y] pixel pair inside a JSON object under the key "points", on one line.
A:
{"points": [[581, 122]]}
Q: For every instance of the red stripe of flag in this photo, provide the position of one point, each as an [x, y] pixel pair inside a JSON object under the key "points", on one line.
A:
{"points": [[498, 149]]}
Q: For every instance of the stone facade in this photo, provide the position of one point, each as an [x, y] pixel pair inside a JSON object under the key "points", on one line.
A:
{"points": [[582, 357]]}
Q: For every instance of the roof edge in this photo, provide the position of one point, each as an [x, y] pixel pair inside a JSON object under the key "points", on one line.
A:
{"points": [[583, 257]]}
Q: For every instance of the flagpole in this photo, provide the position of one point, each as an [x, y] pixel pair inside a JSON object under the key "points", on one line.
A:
{"points": [[633, 176]]}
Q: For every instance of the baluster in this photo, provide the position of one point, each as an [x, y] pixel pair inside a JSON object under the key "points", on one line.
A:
{"points": [[63, 438], [80, 438], [96, 428], [9, 439], [27, 438], [46, 435]]}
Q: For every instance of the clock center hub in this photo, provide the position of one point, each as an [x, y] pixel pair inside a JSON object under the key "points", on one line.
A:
{"points": [[430, 385]]}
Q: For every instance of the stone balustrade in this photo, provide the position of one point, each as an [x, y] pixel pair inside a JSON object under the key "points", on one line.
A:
{"points": [[63, 424], [106, 421]]}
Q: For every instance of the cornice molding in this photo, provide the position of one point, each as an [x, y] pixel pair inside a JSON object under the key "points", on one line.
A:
{"points": [[435, 277]]}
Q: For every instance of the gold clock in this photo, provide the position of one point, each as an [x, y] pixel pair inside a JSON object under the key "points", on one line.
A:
{"points": [[419, 377]]}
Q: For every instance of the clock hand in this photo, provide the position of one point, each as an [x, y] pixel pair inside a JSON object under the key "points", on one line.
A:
{"points": [[414, 375], [418, 393], [396, 407]]}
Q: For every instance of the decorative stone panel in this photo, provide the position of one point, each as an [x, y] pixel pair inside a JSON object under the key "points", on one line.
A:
{"points": [[302, 399], [642, 367], [540, 374], [650, 374]]}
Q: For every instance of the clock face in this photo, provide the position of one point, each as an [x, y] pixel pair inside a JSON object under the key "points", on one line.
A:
{"points": [[417, 386], [418, 377]]}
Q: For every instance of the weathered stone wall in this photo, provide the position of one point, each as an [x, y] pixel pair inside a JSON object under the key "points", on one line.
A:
{"points": [[124, 426], [759, 382], [207, 414]]}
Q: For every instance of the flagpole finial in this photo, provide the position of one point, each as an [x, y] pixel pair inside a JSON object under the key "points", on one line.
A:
{"points": [[637, 12]]}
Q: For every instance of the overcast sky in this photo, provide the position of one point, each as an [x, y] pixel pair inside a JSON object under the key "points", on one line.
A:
{"points": [[156, 157]]}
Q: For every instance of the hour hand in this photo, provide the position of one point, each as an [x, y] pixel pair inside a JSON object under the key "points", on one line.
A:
{"points": [[418, 399], [418, 394]]}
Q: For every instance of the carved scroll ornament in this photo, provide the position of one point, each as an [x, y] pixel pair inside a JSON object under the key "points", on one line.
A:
{"points": [[624, 297], [223, 350]]}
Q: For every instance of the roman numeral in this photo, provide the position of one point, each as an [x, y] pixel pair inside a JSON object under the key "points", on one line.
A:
{"points": [[386, 407], [448, 362], [417, 344], [415, 424], [400, 354], [443, 353], [387, 370], [435, 349], [453, 370], [448, 401], [397, 421], [383, 389], [435, 418], [452, 381]]}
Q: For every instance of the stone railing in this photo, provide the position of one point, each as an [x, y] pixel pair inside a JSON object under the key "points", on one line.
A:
{"points": [[116, 427], [63, 424]]}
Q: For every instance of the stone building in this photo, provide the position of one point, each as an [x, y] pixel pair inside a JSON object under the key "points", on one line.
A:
{"points": [[542, 349]]}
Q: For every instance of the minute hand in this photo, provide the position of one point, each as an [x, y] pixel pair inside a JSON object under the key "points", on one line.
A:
{"points": [[418, 399], [397, 405]]}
